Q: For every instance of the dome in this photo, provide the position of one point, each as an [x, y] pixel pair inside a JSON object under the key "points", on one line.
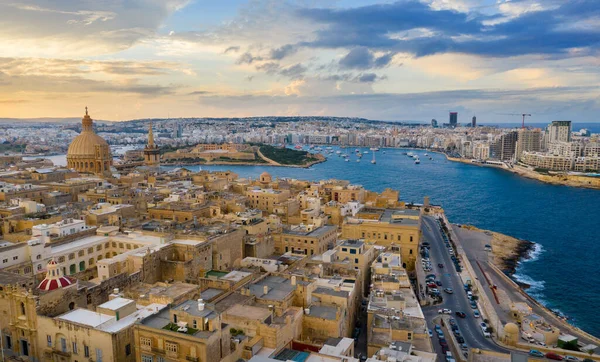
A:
{"points": [[85, 144], [511, 328], [54, 278], [265, 177]]}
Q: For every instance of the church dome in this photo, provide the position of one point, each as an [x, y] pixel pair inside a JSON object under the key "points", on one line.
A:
{"points": [[84, 145], [54, 278]]}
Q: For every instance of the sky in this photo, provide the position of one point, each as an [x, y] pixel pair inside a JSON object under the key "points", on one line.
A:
{"points": [[387, 60]]}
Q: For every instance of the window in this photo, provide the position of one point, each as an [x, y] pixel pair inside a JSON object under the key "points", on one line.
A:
{"points": [[174, 318], [145, 341], [171, 347], [160, 359], [410, 251], [49, 340], [74, 347], [411, 238], [86, 351], [22, 308], [38, 257], [355, 261], [39, 267], [99, 247], [345, 249], [15, 257], [5, 260], [398, 237], [352, 251], [98, 355], [71, 256], [146, 358], [63, 344], [81, 253], [61, 259], [194, 324], [128, 349], [90, 250], [27, 270]]}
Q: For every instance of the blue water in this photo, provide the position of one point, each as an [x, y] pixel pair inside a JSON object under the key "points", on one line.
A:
{"points": [[562, 220]]}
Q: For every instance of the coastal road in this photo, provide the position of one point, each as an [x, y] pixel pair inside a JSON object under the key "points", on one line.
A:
{"points": [[470, 326], [473, 243]]}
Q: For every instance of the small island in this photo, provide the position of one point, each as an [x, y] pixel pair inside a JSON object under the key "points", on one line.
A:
{"points": [[238, 154]]}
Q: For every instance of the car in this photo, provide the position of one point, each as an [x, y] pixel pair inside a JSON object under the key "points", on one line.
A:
{"points": [[536, 353], [435, 291], [437, 327], [356, 333], [430, 333], [473, 305], [445, 349], [448, 290], [460, 339], [363, 358], [440, 265], [572, 358], [438, 282], [476, 313], [443, 343], [454, 328], [444, 311], [432, 285], [452, 321], [461, 314], [554, 356], [456, 332], [441, 335], [464, 347]]}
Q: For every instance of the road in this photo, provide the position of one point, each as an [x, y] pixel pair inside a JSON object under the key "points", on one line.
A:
{"points": [[469, 327], [472, 243]]}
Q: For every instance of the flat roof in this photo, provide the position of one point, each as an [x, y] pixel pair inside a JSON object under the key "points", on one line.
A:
{"points": [[116, 303], [86, 317], [314, 233]]}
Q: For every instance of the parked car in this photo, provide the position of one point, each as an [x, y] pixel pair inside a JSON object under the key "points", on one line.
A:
{"points": [[473, 304], [460, 339], [440, 265], [461, 314], [448, 290], [356, 333], [536, 353], [430, 333], [443, 343], [444, 311], [464, 347], [438, 282], [445, 349], [554, 356], [572, 358], [476, 313]]}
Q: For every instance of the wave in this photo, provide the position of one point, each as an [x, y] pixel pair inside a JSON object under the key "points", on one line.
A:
{"points": [[535, 286], [534, 253]]}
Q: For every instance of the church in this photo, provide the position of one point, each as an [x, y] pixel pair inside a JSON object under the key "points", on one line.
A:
{"points": [[89, 152]]}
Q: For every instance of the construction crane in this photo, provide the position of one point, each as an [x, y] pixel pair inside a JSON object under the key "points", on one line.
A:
{"points": [[518, 114]]}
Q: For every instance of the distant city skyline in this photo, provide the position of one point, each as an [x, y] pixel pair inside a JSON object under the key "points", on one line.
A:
{"points": [[381, 60]]}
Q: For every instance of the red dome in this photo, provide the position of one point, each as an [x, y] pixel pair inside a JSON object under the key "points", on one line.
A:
{"points": [[55, 278], [51, 284]]}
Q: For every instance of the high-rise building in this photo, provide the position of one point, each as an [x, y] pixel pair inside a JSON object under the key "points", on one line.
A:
{"points": [[529, 140], [559, 131], [505, 146], [453, 119], [434, 123], [474, 122]]}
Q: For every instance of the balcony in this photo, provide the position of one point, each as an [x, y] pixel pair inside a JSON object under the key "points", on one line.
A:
{"points": [[192, 359], [172, 354]]}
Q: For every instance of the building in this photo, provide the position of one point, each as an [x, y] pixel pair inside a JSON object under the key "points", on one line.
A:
{"points": [[387, 228], [89, 152], [505, 147], [151, 151], [306, 240], [453, 119], [559, 131], [474, 122], [434, 123], [528, 140]]}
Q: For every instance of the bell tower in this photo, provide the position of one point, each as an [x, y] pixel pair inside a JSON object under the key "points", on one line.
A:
{"points": [[151, 151]]}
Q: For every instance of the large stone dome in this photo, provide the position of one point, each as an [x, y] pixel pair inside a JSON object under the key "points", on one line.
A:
{"points": [[89, 152], [85, 144], [511, 328]]}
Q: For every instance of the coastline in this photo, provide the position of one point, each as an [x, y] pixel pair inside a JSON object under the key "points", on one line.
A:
{"points": [[554, 179], [217, 163]]}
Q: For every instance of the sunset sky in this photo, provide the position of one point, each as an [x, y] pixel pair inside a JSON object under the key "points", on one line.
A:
{"points": [[388, 60]]}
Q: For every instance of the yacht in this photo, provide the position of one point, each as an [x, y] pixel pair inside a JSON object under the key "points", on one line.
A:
{"points": [[373, 160], [417, 161], [426, 154], [374, 149]]}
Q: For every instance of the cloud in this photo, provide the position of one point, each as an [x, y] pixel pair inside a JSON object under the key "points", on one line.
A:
{"points": [[199, 93], [233, 49], [295, 71], [248, 58], [383, 27], [70, 27], [363, 58], [283, 52]]}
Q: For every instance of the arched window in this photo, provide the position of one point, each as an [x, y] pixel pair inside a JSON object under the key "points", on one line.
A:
{"points": [[22, 308]]}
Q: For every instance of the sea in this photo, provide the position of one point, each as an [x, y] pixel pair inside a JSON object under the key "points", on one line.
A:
{"points": [[562, 221]]}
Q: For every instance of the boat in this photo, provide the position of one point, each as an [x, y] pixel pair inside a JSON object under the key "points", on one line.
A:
{"points": [[373, 160], [410, 154], [359, 155], [357, 150], [417, 161], [384, 152], [338, 152], [358, 160], [426, 154], [347, 160], [374, 149], [298, 147], [431, 158], [365, 152]]}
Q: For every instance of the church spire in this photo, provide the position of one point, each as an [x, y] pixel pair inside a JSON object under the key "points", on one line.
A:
{"points": [[150, 136]]}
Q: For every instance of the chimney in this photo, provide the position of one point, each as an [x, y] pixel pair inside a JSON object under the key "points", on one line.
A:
{"points": [[293, 280], [200, 304], [265, 289]]}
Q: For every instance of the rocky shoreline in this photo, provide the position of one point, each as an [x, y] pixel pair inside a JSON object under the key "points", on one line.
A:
{"points": [[204, 163]]}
